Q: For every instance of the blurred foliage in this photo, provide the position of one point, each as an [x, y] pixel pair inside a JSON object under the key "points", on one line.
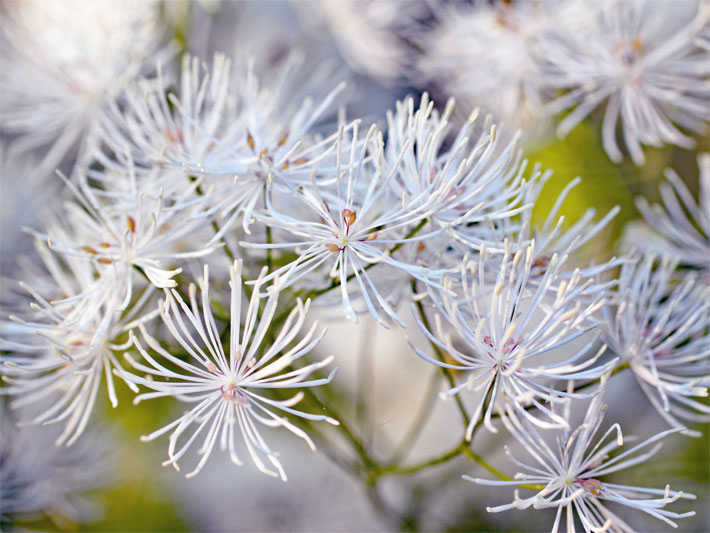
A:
{"points": [[603, 186]]}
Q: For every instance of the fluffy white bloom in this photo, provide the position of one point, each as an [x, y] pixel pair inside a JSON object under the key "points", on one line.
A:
{"points": [[551, 237], [682, 229], [572, 466], [350, 224], [467, 179], [37, 477], [62, 61], [368, 33], [661, 330], [230, 127], [489, 54], [126, 232], [643, 59], [226, 388], [23, 202], [514, 340], [60, 351]]}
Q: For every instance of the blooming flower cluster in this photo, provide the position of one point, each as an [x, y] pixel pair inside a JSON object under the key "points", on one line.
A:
{"points": [[248, 176]]}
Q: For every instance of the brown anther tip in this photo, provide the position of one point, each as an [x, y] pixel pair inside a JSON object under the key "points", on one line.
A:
{"points": [[104, 245], [284, 166], [89, 250], [372, 236], [349, 216], [250, 141], [332, 247], [283, 139], [131, 223], [105, 261], [300, 161], [262, 153]]}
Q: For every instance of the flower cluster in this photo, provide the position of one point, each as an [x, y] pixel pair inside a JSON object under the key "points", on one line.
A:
{"points": [[247, 175]]}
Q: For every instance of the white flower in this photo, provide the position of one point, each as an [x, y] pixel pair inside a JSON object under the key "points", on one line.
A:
{"points": [[660, 329], [551, 237], [644, 60], [61, 350], [467, 180], [682, 229], [229, 127], [62, 65], [23, 202], [226, 388], [513, 341], [349, 224], [489, 55], [571, 470], [124, 232], [368, 33]]}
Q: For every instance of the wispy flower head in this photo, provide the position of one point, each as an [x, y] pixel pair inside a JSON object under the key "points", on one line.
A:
{"points": [[349, 223], [489, 54], [124, 230], [61, 66], [60, 351], [38, 478], [571, 471], [226, 388], [681, 227], [644, 61], [660, 328], [230, 126], [515, 341], [466, 178]]}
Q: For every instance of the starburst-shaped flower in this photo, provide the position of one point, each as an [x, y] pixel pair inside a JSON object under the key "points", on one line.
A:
{"points": [[660, 328], [680, 228], [643, 60], [571, 470], [226, 388], [514, 341]]}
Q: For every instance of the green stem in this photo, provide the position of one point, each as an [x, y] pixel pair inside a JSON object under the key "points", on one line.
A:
{"points": [[440, 356]]}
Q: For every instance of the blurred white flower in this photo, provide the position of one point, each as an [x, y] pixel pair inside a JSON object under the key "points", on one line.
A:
{"points": [[368, 33], [682, 229], [488, 54], [59, 351], [37, 477], [24, 202], [225, 388], [661, 329], [643, 59], [570, 471], [63, 62], [515, 341]]}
